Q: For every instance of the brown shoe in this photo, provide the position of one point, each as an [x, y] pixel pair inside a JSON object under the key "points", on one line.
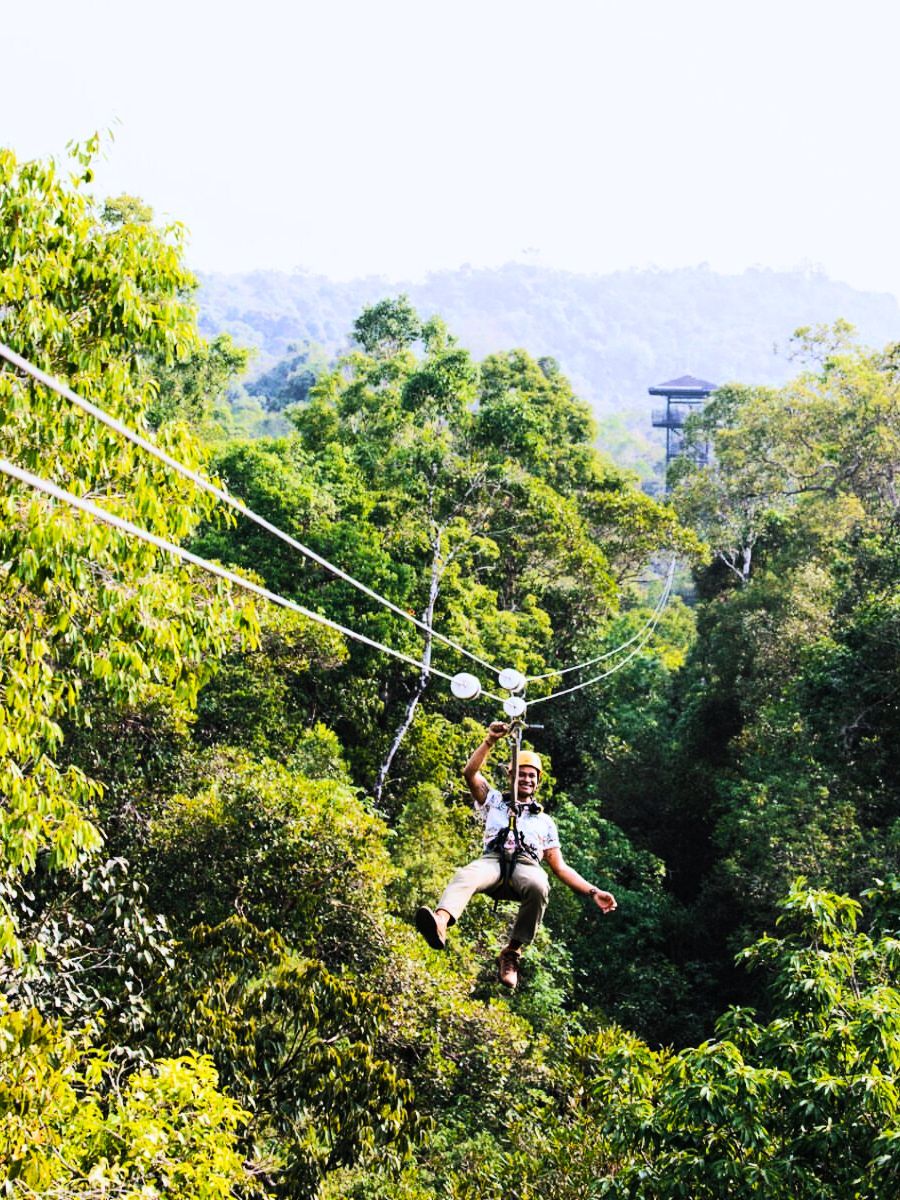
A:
{"points": [[431, 928], [509, 966]]}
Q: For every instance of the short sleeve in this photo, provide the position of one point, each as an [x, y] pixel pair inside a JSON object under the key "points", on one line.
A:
{"points": [[493, 800], [551, 835]]}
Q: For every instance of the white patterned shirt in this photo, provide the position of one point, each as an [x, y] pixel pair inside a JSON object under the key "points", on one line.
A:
{"points": [[538, 831]]}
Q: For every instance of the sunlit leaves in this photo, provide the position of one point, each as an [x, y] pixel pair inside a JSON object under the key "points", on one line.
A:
{"points": [[89, 616], [70, 1125], [801, 1106]]}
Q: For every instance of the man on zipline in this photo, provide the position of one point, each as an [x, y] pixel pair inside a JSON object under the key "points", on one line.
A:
{"points": [[536, 840]]}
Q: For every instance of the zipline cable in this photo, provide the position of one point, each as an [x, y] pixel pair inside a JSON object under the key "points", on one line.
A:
{"points": [[590, 662], [108, 518], [605, 675], [206, 485], [597, 678]]}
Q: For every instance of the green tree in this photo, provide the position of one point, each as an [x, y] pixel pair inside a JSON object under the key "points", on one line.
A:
{"points": [[70, 1125], [297, 1046], [90, 623], [89, 616], [190, 389], [428, 503], [777, 753], [291, 854], [805, 1105]]}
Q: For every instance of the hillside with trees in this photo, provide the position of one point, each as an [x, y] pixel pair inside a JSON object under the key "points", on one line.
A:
{"points": [[613, 335], [218, 813]]}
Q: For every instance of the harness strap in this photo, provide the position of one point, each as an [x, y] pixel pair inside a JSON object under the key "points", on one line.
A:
{"points": [[509, 843]]}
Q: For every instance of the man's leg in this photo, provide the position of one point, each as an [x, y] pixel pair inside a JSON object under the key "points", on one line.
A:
{"points": [[533, 888], [478, 876], [530, 882]]}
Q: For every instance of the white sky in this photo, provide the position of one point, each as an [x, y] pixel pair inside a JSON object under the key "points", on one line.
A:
{"points": [[353, 137]]}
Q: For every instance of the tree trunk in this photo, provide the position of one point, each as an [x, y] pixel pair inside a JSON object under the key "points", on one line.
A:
{"points": [[745, 564], [424, 675]]}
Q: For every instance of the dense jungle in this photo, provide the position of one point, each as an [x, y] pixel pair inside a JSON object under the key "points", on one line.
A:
{"points": [[219, 814]]}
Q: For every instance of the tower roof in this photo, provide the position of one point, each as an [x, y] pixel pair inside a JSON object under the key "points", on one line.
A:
{"points": [[685, 386]]}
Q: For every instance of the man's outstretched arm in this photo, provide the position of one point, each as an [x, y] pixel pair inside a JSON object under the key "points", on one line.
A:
{"points": [[605, 901], [478, 785]]}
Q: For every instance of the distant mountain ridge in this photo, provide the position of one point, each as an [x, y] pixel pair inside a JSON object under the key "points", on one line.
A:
{"points": [[613, 335]]}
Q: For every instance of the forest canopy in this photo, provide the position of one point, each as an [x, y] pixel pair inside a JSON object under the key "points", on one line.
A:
{"points": [[219, 815]]}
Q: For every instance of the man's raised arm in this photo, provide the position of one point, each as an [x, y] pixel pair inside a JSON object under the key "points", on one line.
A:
{"points": [[478, 785]]}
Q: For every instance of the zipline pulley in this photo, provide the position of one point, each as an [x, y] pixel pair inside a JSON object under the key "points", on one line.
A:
{"points": [[465, 686], [511, 680]]}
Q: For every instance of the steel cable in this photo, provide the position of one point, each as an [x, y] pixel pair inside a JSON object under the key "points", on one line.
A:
{"points": [[208, 486], [120, 523]]}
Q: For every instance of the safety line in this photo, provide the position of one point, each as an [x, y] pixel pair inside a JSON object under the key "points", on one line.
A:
{"points": [[206, 485], [597, 678], [108, 518], [590, 662]]}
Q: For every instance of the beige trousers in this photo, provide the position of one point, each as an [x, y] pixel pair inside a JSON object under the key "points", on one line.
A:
{"points": [[528, 884]]}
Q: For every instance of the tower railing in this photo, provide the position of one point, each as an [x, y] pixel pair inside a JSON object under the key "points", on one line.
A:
{"points": [[683, 396]]}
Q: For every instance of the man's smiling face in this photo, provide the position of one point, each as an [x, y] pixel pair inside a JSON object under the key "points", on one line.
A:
{"points": [[529, 777]]}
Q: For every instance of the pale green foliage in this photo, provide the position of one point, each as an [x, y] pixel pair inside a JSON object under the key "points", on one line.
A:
{"points": [[806, 1105], [387, 327], [70, 1127], [192, 388], [822, 451], [89, 623], [125, 209]]}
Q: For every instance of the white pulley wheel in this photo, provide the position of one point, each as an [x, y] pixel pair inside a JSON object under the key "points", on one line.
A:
{"points": [[465, 686], [514, 707], [511, 680]]}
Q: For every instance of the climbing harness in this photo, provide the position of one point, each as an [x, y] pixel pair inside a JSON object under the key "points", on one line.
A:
{"points": [[509, 843]]}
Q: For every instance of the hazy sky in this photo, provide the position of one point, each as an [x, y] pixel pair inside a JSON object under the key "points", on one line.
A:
{"points": [[392, 137]]}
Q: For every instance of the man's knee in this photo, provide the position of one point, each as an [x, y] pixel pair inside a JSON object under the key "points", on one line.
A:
{"points": [[477, 876], [536, 887]]}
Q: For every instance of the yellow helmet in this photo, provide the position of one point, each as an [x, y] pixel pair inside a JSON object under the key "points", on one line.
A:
{"points": [[528, 758]]}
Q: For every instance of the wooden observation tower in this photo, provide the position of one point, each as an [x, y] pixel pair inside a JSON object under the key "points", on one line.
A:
{"points": [[683, 396]]}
